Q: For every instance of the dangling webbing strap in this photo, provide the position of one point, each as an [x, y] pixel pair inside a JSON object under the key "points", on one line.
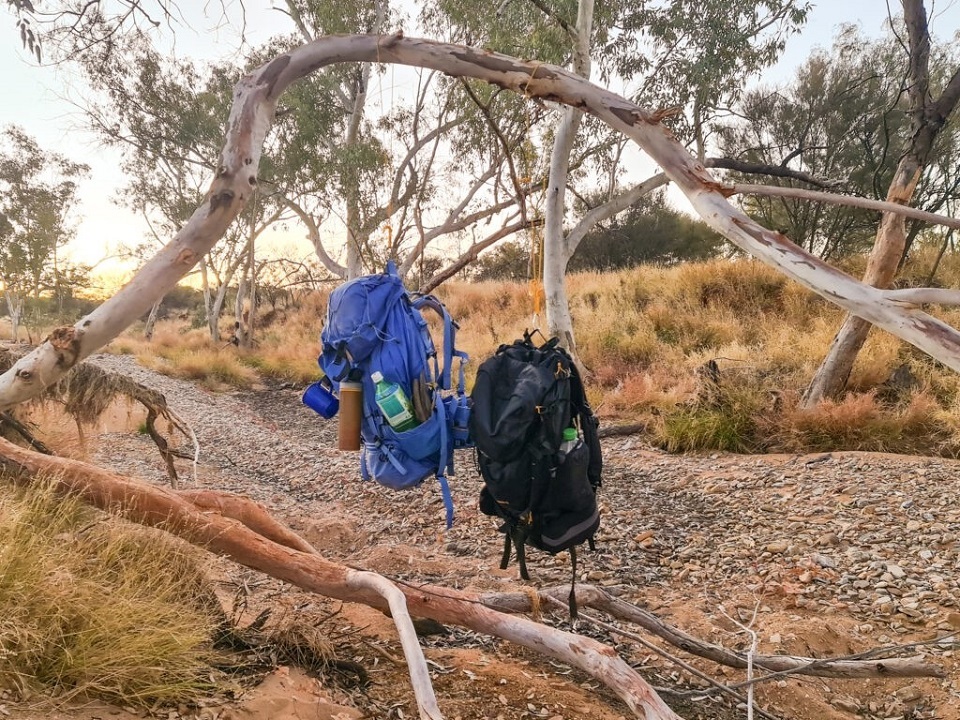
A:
{"points": [[572, 597], [517, 537], [441, 470]]}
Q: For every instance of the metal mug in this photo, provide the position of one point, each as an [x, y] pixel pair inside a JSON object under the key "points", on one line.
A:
{"points": [[321, 400]]}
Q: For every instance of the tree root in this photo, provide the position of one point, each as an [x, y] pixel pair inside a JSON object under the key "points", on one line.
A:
{"points": [[87, 391]]}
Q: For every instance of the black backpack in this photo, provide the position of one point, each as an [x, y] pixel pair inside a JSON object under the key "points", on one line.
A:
{"points": [[523, 399]]}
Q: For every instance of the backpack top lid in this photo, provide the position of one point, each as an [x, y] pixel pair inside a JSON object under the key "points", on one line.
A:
{"points": [[356, 319], [518, 400]]}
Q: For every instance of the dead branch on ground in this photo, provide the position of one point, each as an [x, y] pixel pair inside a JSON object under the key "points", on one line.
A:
{"points": [[176, 513], [598, 599], [87, 391]]}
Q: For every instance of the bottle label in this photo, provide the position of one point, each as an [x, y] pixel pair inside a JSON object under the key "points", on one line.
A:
{"points": [[394, 409]]}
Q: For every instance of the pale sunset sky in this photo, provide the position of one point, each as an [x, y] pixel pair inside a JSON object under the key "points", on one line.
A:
{"points": [[38, 99]]}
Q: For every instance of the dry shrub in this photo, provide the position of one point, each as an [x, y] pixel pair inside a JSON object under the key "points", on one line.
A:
{"points": [[860, 422], [640, 396], [49, 423], [300, 324], [730, 428], [212, 367], [742, 286], [875, 362], [498, 298], [692, 331], [793, 348], [289, 362], [489, 314], [92, 606], [303, 643]]}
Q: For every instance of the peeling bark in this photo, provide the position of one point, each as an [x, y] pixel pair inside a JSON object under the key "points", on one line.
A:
{"points": [[927, 119]]}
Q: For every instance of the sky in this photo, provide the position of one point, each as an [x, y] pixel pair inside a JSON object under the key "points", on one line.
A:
{"points": [[39, 100]]}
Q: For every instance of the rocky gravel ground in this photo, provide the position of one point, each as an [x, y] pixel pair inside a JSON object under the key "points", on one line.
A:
{"points": [[822, 554]]}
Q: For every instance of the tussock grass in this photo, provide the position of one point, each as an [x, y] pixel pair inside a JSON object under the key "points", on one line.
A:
{"points": [[90, 606], [860, 422], [189, 354]]}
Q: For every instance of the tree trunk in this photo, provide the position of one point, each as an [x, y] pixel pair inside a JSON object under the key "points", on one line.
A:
{"points": [[15, 308], [354, 240], [831, 378], [556, 253], [216, 310], [943, 249], [239, 326], [150, 324], [213, 318]]}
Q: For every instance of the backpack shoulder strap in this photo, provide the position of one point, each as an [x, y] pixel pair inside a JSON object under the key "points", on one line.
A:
{"points": [[450, 328]]}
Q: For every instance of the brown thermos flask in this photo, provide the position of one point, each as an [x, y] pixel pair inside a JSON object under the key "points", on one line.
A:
{"points": [[351, 411]]}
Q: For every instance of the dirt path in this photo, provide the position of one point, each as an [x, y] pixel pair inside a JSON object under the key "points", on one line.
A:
{"points": [[825, 555]]}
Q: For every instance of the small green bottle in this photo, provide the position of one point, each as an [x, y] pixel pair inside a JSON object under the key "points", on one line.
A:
{"points": [[394, 404]]}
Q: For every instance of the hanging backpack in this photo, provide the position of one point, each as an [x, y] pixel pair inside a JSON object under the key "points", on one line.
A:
{"points": [[544, 489], [374, 325]]}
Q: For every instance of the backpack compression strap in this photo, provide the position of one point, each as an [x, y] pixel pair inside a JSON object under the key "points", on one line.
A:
{"points": [[572, 597], [515, 533], [449, 339]]}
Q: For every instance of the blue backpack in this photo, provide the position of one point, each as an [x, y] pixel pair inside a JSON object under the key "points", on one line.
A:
{"points": [[374, 324]]}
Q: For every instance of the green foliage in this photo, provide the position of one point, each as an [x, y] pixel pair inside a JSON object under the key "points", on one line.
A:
{"points": [[508, 261], [701, 50], [728, 429], [649, 232], [37, 194], [841, 119]]}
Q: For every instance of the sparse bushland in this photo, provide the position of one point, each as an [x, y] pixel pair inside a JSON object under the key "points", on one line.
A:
{"points": [[91, 606], [645, 334], [648, 334]]}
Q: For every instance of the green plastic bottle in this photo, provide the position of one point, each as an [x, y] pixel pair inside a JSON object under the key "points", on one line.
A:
{"points": [[394, 404]]}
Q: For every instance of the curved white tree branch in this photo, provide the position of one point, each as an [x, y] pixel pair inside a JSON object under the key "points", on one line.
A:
{"points": [[254, 106], [397, 601]]}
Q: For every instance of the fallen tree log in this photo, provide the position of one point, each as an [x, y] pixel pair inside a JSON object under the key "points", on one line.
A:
{"points": [[175, 512], [598, 599]]}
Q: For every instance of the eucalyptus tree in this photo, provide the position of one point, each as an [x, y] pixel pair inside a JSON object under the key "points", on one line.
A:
{"points": [[165, 116], [928, 114], [842, 119], [38, 193], [687, 57]]}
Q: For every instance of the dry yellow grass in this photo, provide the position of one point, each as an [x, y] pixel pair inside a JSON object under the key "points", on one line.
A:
{"points": [[91, 606]]}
